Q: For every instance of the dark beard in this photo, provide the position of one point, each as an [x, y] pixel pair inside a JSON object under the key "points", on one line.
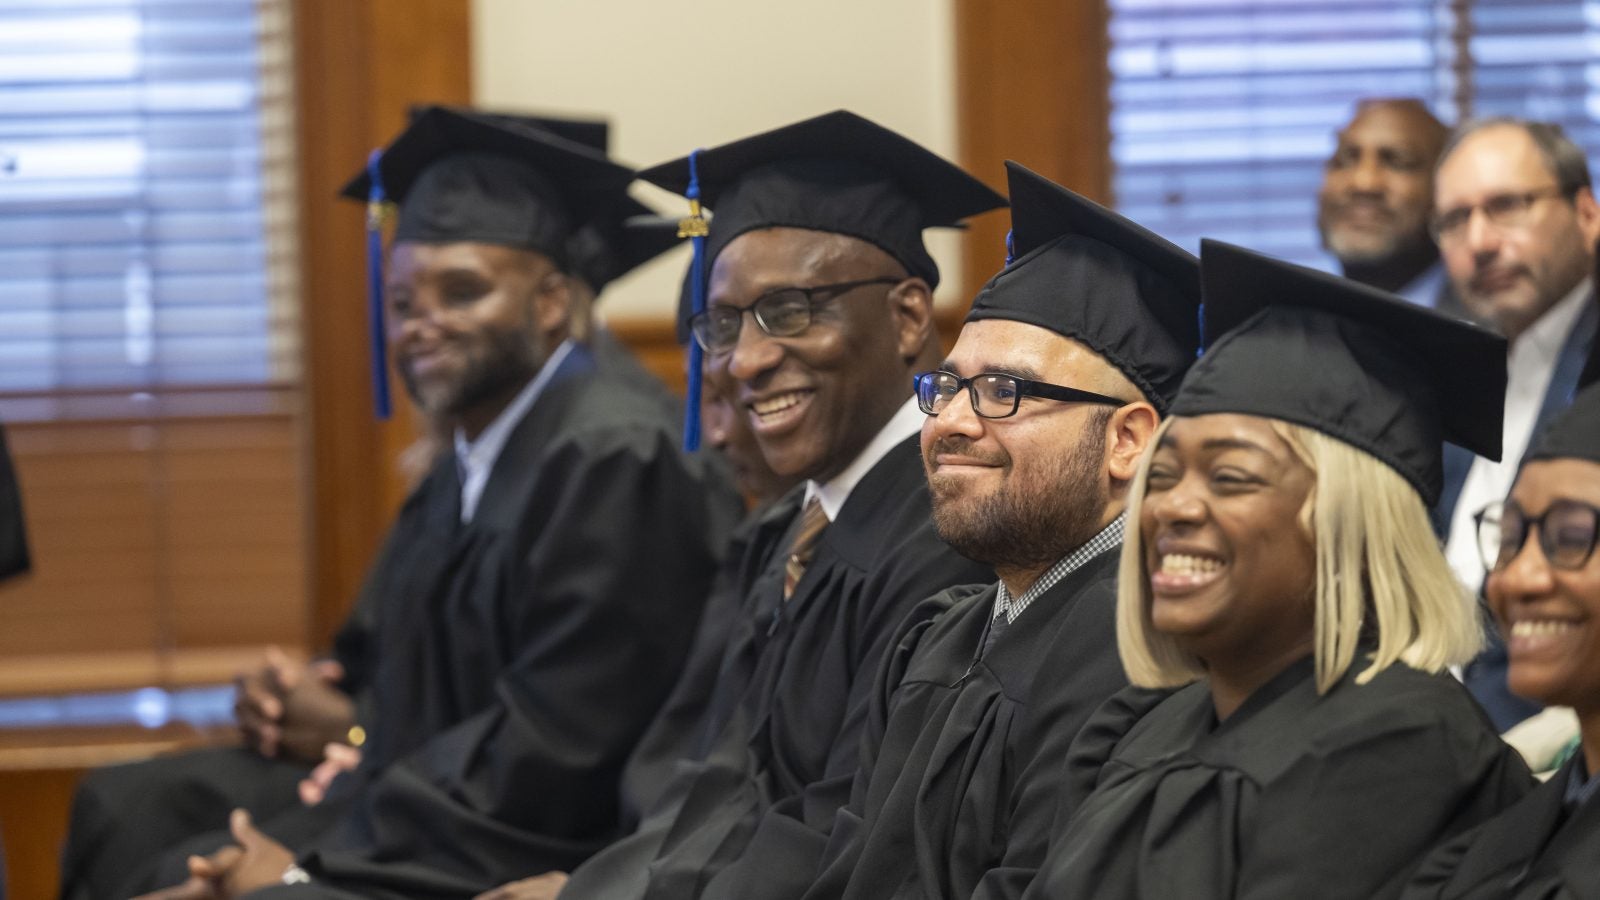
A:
{"points": [[504, 360], [1030, 527]]}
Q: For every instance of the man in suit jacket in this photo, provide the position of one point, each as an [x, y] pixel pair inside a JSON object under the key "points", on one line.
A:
{"points": [[1516, 221]]}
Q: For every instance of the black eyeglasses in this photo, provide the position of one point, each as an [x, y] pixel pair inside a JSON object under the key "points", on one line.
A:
{"points": [[781, 313], [994, 395], [1502, 210], [1566, 533]]}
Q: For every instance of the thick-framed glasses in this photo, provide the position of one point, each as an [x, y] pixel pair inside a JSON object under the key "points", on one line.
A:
{"points": [[1566, 533], [1502, 211], [781, 313], [994, 395]]}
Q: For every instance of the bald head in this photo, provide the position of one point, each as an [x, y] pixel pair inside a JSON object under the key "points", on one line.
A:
{"points": [[1377, 192]]}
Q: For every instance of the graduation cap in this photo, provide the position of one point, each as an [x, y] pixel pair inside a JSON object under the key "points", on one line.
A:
{"points": [[1355, 363], [836, 172], [458, 175], [1575, 431], [1086, 273], [615, 239]]}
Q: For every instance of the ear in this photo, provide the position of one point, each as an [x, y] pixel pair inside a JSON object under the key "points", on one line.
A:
{"points": [[1128, 433], [1588, 215], [552, 306], [911, 306]]}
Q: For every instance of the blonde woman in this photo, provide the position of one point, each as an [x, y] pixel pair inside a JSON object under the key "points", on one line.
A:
{"points": [[1285, 594], [1544, 588]]}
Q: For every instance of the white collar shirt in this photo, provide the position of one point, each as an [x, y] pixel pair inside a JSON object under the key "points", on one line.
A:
{"points": [[475, 459], [1530, 365]]}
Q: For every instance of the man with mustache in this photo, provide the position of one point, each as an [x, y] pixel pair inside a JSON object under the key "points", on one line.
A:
{"points": [[1516, 221], [818, 310], [1036, 421], [1377, 197], [538, 594]]}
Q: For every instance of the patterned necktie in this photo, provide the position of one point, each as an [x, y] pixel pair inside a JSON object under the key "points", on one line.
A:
{"points": [[812, 521]]}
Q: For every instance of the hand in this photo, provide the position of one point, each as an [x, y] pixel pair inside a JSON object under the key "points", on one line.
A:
{"points": [[540, 887], [293, 709], [260, 863], [315, 712], [336, 759], [204, 878], [258, 700]]}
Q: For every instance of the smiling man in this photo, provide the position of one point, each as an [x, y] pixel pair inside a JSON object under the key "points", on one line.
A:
{"points": [[819, 311], [539, 592], [1517, 222], [1035, 424], [1377, 198]]}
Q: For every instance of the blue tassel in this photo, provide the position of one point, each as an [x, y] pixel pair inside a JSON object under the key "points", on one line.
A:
{"points": [[380, 355], [1200, 313], [694, 228], [1011, 247]]}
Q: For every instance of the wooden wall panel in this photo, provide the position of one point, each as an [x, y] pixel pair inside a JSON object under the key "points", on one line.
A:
{"points": [[358, 65], [1032, 85], [151, 539]]}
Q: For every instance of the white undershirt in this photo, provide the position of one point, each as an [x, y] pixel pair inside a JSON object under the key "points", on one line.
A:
{"points": [[476, 458], [1530, 365], [906, 421]]}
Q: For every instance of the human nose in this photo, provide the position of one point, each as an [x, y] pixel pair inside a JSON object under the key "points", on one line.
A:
{"points": [[959, 416], [1179, 504], [1482, 236], [1366, 176], [753, 352], [1528, 573]]}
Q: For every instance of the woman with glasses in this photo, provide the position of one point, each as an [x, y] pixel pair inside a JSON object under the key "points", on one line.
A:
{"points": [[1285, 596], [1544, 589]]}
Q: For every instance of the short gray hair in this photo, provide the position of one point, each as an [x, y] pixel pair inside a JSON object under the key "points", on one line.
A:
{"points": [[1562, 157]]}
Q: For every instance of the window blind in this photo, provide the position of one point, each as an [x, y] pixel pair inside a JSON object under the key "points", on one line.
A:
{"points": [[1224, 112], [145, 196]]}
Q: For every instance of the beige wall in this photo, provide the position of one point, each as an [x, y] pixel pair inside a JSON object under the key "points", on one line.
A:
{"points": [[674, 76]]}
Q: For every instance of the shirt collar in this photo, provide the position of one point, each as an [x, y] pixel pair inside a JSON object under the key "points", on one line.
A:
{"points": [[1424, 289], [906, 421], [1546, 335], [480, 454], [1109, 537]]}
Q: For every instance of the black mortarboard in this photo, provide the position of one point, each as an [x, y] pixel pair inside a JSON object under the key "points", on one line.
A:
{"points": [[836, 172], [1575, 431], [459, 175], [1355, 363], [617, 238], [1085, 272]]}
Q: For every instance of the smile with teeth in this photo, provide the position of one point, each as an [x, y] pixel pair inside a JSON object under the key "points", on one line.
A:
{"points": [[772, 406], [1184, 564], [1538, 628]]}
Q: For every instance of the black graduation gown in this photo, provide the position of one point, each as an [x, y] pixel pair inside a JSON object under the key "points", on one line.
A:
{"points": [[1294, 795], [504, 668], [13, 536], [942, 797], [553, 626], [794, 684], [1533, 851]]}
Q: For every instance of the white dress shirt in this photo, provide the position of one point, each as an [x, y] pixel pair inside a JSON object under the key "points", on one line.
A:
{"points": [[906, 421], [476, 458], [1530, 365]]}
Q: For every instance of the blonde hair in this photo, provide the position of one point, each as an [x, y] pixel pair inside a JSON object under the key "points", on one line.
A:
{"points": [[1378, 563]]}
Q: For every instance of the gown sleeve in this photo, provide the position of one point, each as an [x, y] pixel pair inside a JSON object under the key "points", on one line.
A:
{"points": [[1354, 817], [1053, 785], [605, 602]]}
